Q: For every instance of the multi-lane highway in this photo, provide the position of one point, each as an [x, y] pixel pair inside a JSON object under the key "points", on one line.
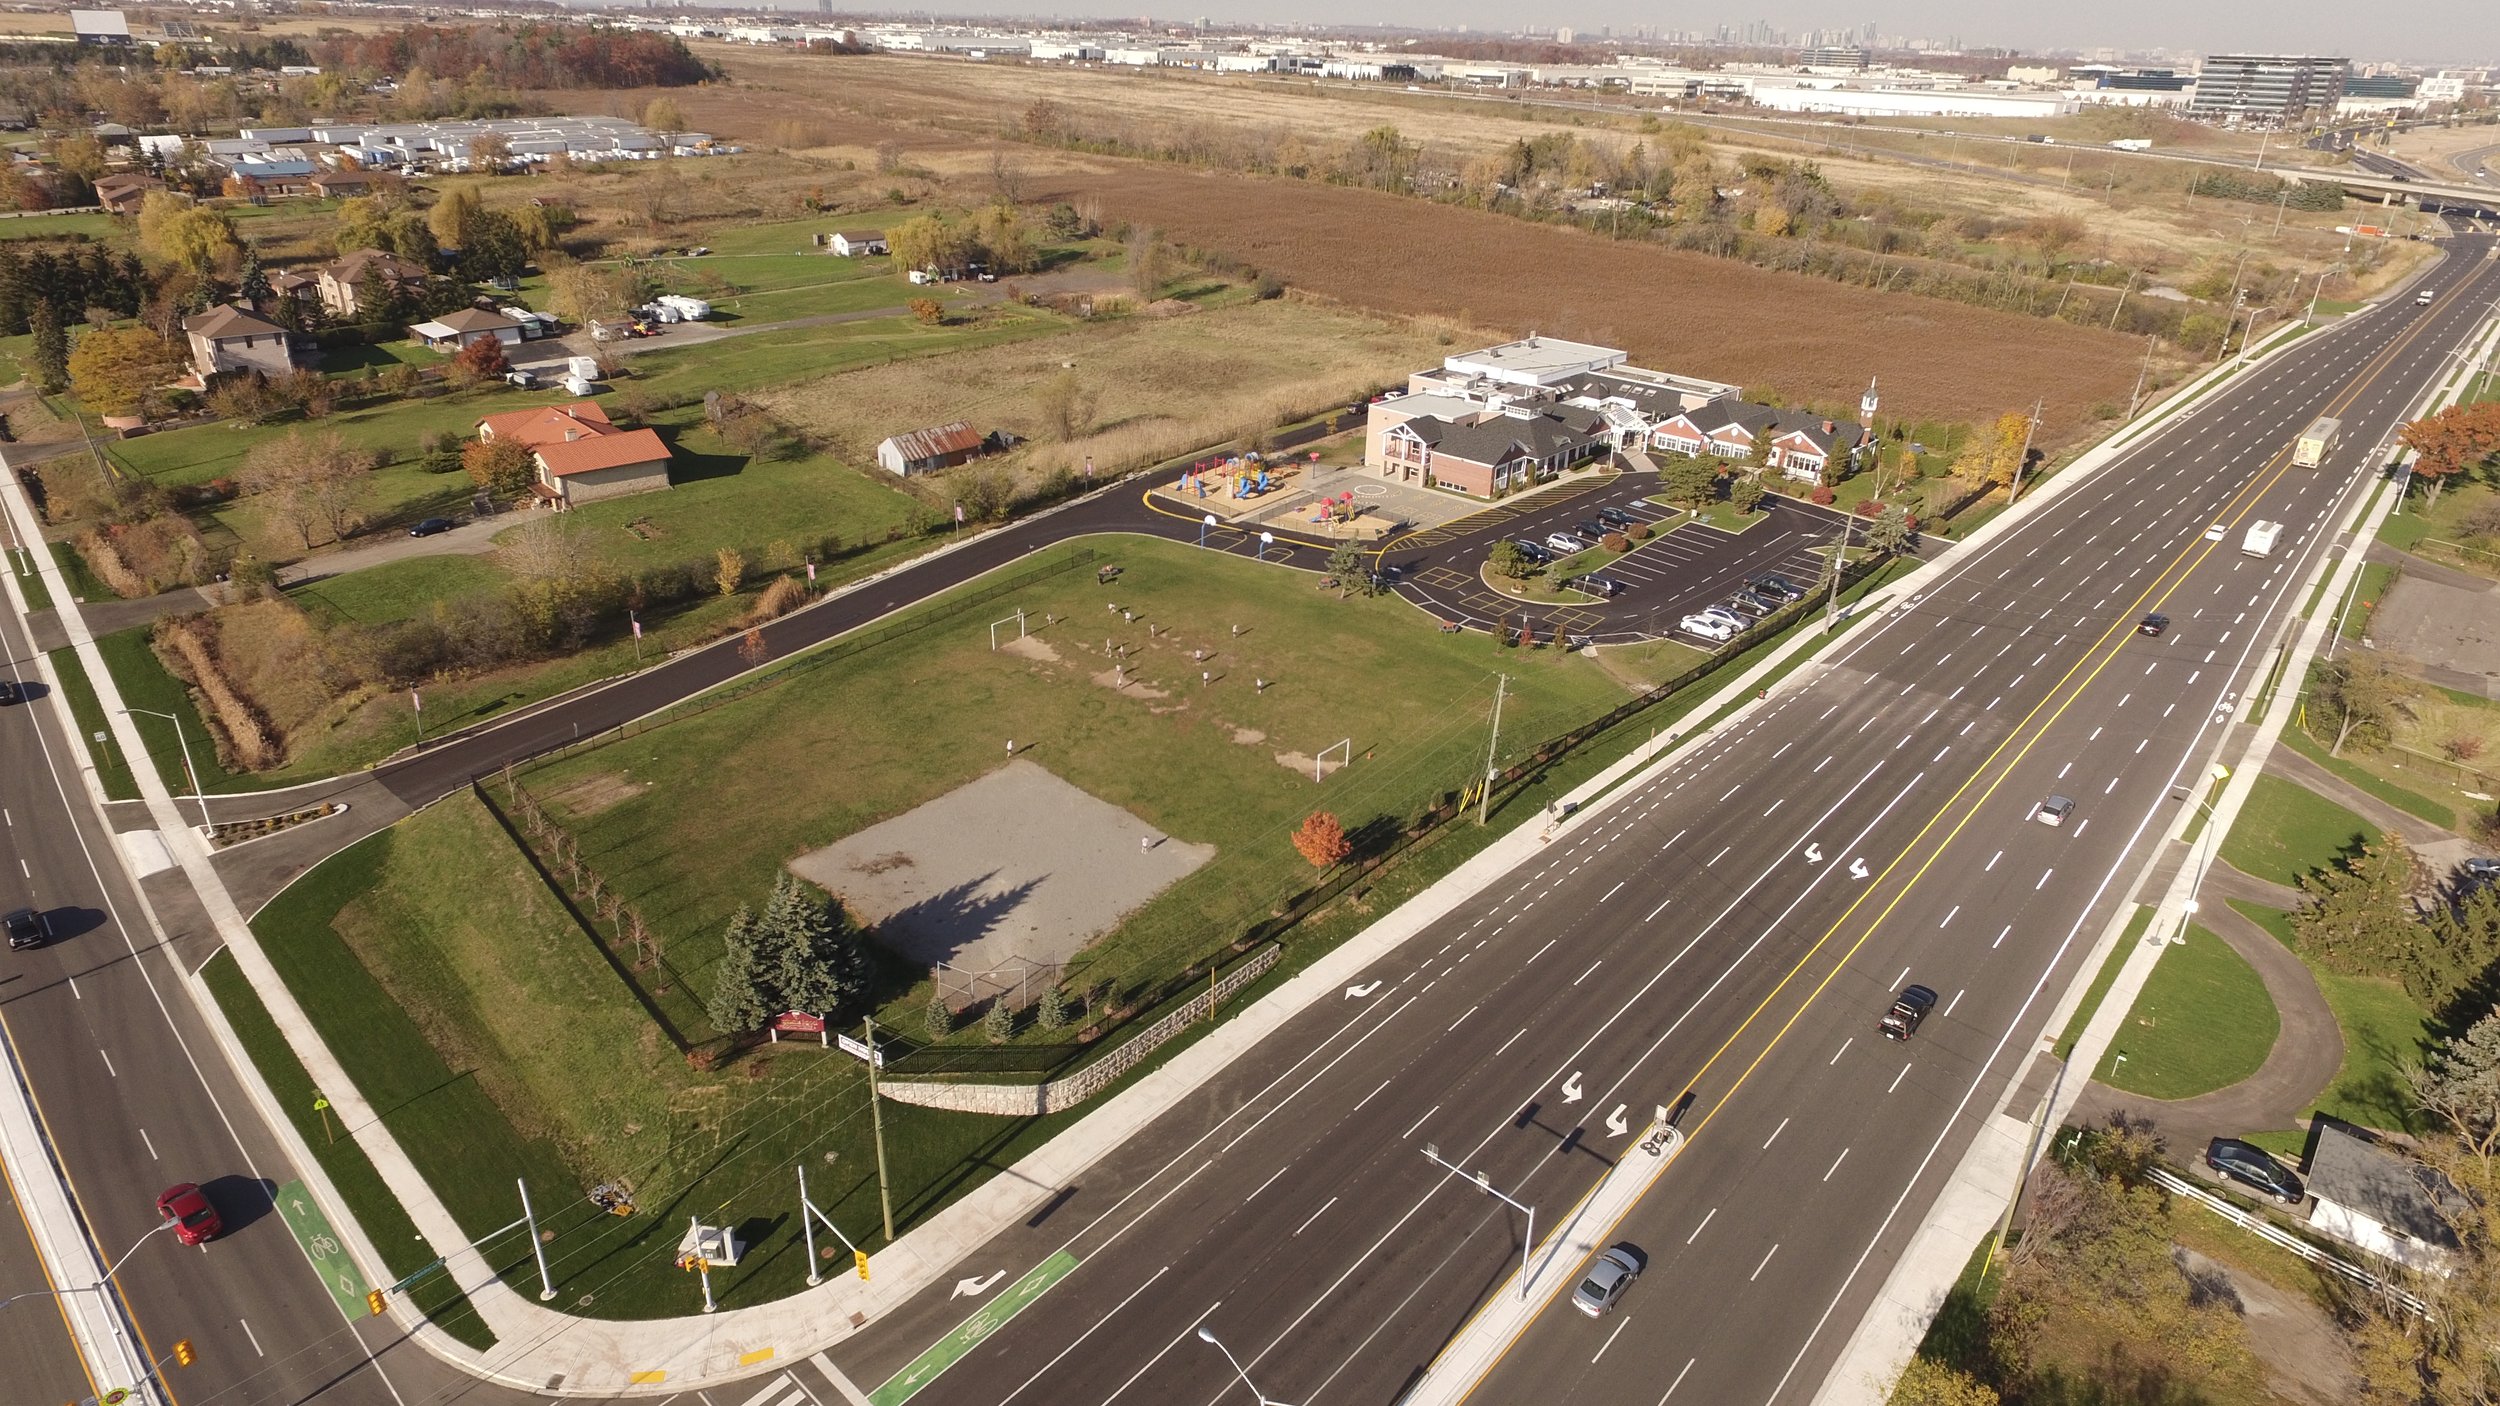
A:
{"points": [[1732, 929]]}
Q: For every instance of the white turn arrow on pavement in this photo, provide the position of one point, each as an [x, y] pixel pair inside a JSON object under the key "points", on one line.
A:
{"points": [[1615, 1123], [1571, 1088], [1363, 990], [974, 1288], [1858, 869], [1814, 854]]}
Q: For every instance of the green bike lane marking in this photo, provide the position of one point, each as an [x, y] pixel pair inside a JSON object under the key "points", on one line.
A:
{"points": [[967, 1335], [321, 1245]]}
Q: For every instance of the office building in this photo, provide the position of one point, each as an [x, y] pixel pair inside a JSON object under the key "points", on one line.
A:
{"points": [[2267, 88]]}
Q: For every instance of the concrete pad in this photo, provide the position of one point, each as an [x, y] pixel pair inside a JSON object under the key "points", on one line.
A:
{"points": [[145, 852], [1018, 864]]}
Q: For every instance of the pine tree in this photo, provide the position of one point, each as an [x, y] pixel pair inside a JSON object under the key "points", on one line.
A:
{"points": [[738, 1003], [936, 1020], [998, 1022], [252, 283], [1051, 1011], [2358, 920], [13, 300], [807, 958], [51, 352]]}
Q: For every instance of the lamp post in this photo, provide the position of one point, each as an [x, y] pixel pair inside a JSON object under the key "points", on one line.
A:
{"points": [[98, 1286], [1207, 1335], [184, 741], [2213, 842], [1484, 1184]]}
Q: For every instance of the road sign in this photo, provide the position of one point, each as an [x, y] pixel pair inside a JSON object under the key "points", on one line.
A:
{"points": [[330, 1259]]}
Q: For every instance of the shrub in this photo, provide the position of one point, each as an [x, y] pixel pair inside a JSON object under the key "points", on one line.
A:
{"points": [[1637, 532], [2464, 747], [1615, 542], [998, 1022], [1822, 496]]}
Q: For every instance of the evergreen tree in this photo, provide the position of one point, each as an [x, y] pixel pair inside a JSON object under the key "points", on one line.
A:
{"points": [[998, 1022], [808, 958], [96, 277], [41, 280], [738, 1003], [2359, 918], [51, 352], [12, 293], [252, 283], [132, 287]]}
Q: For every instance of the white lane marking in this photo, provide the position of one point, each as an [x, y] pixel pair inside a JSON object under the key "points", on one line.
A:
{"points": [[1592, 971], [1836, 1054], [2044, 874], [252, 1337], [1957, 1000], [1315, 1215], [1705, 1223], [1766, 1264], [2009, 927], [1280, 1171], [151, 1142], [1513, 1040], [1679, 1379], [1618, 888], [1775, 1135], [1949, 915], [1835, 1166], [1897, 1078], [1541, 951], [1610, 1337], [1410, 1132], [1722, 854], [1462, 1020], [108, 1063], [1992, 861], [1080, 1338]]}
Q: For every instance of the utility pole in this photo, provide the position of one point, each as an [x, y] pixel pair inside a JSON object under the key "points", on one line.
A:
{"points": [[2029, 429], [876, 1126], [2137, 398], [1840, 568], [1493, 750]]}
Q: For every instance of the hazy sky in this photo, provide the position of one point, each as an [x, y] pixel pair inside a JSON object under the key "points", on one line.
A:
{"points": [[2431, 31]]}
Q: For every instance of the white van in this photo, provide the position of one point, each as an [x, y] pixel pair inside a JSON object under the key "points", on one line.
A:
{"points": [[2260, 539]]}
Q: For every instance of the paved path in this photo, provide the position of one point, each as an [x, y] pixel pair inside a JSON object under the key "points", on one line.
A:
{"points": [[2306, 1055], [113, 616], [475, 538]]}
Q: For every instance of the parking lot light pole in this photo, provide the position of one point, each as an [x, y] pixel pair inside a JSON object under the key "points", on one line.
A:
{"points": [[1484, 1184], [184, 741], [1207, 1335]]}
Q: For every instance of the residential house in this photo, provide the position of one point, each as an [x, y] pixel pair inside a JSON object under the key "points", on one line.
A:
{"points": [[339, 185], [340, 276], [229, 338], [1804, 445], [454, 331], [2382, 1201], [123, 192], [927, 451], [301, 287], [852, 243], [1494, 453], [579, 455]]}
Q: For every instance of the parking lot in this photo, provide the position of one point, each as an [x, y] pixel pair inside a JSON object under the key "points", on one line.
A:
{"points": [[1673, 574]]}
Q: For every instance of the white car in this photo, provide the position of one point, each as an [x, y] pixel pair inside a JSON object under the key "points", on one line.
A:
{"points": [[1726, 617], [1566, 543], [2216, 532], [1708, 627]]}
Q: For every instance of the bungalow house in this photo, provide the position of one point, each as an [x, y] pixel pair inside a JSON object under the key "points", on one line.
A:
{"points": [[852, 243], [339, 277], [338, 185], [122, 193], [928, 451], [2382, 1201], [454, 331], [579, 456], [302, 287], [1497, 453], [229, 338]]}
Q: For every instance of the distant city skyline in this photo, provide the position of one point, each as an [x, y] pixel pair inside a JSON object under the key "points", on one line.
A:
{"points": [[2452, 32]]}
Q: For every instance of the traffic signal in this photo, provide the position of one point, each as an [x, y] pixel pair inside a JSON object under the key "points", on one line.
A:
{"points": [[184, 1354], [373, 1302], [860, 1258]]}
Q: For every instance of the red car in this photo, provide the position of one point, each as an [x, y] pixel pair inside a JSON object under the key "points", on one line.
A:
{"points": [[195, 1221]]}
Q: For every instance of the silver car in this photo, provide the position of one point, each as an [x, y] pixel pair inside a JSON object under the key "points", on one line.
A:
{"points": [[1610, 1274]]}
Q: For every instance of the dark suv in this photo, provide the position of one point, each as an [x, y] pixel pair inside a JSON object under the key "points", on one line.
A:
{"points": [[26, 929], [1909, 1011], [2254, 1166]]}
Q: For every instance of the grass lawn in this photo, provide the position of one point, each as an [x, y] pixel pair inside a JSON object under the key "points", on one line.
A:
{"points": [[88, 710], [2287, 830], [400, 589], [2410, 802], [2366, 594], [1201, 766], [199, 453], [346, 361], [2203, 1022], [2102, 980], [770, 358], [83, 584], [94, 224], [146, 685]]}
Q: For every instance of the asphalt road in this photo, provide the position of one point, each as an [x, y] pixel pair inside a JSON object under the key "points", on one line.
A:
{"points": [[1690, 940]]}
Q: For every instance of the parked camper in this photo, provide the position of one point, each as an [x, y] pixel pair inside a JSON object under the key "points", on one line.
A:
{"points": [[584, 368], [2260, 539], [2316, 442], [2133, 144], [575, 385], [690, 309]]}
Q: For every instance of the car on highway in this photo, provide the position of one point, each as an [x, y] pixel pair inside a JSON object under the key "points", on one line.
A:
{"points": [[195, 1221], [2152, 624], [2054, 810], [1708, 627], [1907, 1012], [2253, 1166], [431, 526], [2423, 299], [27, 928], [1566, 543], [10, 692], [1615, 518], [2217, 532], [1608, 1277], [1779, 586]]}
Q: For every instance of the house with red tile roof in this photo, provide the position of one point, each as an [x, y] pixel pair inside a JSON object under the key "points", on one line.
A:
{"points": [[580, 455]]}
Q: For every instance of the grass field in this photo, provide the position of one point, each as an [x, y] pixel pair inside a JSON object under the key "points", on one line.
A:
{"points": [[2287, 830], [2409, 801], [2384, 1031], [2203, 1022], [1201, 764]]}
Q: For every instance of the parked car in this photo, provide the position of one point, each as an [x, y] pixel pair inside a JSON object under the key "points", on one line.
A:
{"points": [[2253, 1166], [196, 1222], [525, 380], [1566, 544], [27, 928], [1592, 529], [1765, 599], [1609, 1275], [1747, 606], [2152, 624], [1725, 617], [1779, 586], [1605, 586], [1909, 1011], [2479, 870], [2054, 810], [431, 526], [1708, 627], [1615, 518], [1533, 551]]}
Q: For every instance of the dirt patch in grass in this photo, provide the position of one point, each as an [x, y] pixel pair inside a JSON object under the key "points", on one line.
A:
{"points": [[1032, 647], [594, 792]]}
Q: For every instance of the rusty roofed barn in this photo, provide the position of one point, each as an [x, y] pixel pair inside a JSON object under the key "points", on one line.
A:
{"points": [[927, 451]]}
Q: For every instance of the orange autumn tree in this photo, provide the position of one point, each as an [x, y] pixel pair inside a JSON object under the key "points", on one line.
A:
{"points": [[1322, 840], [2457, 440]]}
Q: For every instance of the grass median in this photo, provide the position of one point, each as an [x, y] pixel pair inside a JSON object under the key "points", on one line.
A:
{"points": [[2202, 1022]]}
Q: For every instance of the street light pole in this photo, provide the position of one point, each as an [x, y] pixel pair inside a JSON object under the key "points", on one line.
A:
{"points": [[1207, 1335], [183, 740], [2213, 842], [98, 1286], [1484, 1184]]}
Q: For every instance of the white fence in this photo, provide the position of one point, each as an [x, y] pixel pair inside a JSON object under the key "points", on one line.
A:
{"points": [[2268, 1231]]}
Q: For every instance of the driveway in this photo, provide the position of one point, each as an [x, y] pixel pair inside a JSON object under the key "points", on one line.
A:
{"points": [[469, 539]]}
